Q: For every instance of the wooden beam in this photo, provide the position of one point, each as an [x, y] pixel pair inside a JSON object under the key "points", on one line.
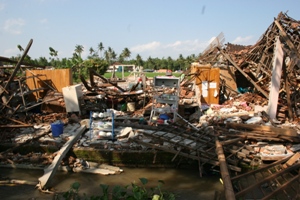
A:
{"points": [[229, 192], [18, 65], [286, 38], [50, 171], [244, 74], [103, 78], [287, 88], [15, 126], [255, 127]]}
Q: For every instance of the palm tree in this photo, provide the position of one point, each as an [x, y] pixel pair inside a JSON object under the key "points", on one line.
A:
{"points": [[79, 49], [126, 53], [139, 61], [181, 61], [110, 55], [20, 48], [107, 56], [100, 48], [91, 51], [53, 52], [113, 56]]}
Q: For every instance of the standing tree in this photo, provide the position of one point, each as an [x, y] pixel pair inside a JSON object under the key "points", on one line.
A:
{"points": [[139, 61], [91, 51], [100, 48], [77, 62], [126, 53], [181, 61], [170, 63], [53, 53], [20, 48], [110, 55], [79, 49]]}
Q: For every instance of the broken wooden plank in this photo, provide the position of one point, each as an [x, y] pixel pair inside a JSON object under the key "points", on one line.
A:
{"points": [[229, 192], [255, 127], [242, 72], [16, 126], [211, 161], [18, 65], [94, 170], [51, 169], [292, 160], [15, 181], [103, 78]]}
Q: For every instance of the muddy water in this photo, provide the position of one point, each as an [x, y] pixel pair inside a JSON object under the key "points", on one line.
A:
{"points": [[186, 184]]}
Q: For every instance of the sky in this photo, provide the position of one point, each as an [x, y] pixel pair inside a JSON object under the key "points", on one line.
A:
{"points": [[150, 28]]}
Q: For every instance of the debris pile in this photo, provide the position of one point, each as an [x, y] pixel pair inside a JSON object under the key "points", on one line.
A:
{"points": [[237, 106]]}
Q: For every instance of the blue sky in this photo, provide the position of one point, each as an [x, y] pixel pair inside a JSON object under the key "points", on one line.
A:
{"points": [[156, 28]]}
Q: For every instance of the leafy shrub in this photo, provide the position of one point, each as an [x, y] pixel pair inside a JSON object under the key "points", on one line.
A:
{"points": [[129, 192]]}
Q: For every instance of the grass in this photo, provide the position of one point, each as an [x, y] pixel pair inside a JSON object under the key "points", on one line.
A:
{"points": [[148, 74]]}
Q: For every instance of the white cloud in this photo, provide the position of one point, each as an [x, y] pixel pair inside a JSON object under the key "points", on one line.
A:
{"points": [[14, 26], [145, 47], [187, 46], [157, 49], [243, 40]]}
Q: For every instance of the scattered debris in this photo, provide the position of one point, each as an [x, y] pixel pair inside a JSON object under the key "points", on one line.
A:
{"points": [[227, 111]]}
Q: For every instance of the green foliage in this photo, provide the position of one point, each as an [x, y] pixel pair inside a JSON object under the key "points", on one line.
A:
{"points": [[73, 192], [100, 58], [129, 192]]}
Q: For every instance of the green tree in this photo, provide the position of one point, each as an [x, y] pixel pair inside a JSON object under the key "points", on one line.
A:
{"points": [[53, 52], [100, 48], [126, 53], [42, 61], [110, 55], [91, 51], [79, 49], [181, 60], [139, 61], [170, 63], [20, 48]]}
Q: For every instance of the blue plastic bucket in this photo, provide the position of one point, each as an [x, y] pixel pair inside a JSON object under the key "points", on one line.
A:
{"points": [[164, 117], [57, 129]]}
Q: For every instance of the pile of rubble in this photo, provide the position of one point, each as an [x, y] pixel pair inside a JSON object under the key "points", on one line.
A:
{"points": [[240, 103]]}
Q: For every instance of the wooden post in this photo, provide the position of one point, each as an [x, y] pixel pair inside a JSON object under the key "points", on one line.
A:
{"points": [[229, 193], [18, 64], [287, 89]]}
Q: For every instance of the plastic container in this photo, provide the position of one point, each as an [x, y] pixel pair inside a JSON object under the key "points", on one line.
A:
{"points": [[164, 117], [131, 106], [57, 129]]}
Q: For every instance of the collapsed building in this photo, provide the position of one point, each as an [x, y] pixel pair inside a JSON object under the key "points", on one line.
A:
{"points": [[237, 106]]}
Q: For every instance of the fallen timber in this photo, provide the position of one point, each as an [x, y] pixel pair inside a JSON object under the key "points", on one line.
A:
{"points": [[202, 145], [49, 172], [274, 180], [190, 145]]}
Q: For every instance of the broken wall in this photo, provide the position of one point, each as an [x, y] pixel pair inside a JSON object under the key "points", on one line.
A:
{"points": [[57, 79]]}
